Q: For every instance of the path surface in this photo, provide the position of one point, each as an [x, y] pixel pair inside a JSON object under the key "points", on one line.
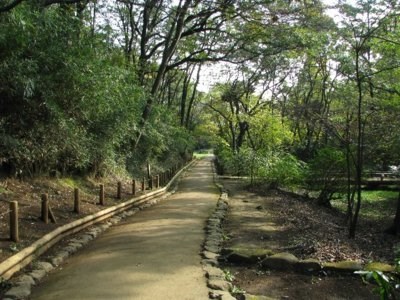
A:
{"points": [[151, 255]]}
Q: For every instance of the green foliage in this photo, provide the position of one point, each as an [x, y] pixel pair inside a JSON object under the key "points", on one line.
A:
{"points": [[237, 290], [378, 205], [163, 140], [229, 276], [70, 106], [280, 168], [327, 171], [387, 284], [269, 131], [277, 168]]}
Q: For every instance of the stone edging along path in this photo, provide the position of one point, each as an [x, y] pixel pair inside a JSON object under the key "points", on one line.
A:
{"points": [[216, 279], [108, 217]]}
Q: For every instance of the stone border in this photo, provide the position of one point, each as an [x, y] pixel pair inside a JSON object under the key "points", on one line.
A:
{"points": [[18, 261], [216, 279], [219, 287]]}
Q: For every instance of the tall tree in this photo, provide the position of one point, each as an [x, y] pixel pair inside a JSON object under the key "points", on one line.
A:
{"points": [[365, 24]]}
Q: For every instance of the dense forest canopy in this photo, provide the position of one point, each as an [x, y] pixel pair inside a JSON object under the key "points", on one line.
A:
{"points": [[92, 87]]}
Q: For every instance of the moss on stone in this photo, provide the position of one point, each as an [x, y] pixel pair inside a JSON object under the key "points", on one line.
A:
{"points": [[247, 255], [280, 261], [343, 266], [377, 266]]}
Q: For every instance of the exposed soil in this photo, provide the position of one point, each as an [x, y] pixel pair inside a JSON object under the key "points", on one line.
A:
{"points": [[283, 223], [61, 198]]}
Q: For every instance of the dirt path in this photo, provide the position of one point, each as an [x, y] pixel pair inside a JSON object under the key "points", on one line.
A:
{"points": [[153, 255]]}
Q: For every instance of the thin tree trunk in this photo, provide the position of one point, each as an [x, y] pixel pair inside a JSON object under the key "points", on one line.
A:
{"points": [[359, 164], [192, 98], [395, 228]]}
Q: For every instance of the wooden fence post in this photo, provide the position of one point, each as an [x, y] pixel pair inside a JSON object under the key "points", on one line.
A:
{"points": [[45, 208], [119, 190], [77, 201], [157, 181], [133, 187], [143, 184], [151, 183], [14, 231], [101, 196]]}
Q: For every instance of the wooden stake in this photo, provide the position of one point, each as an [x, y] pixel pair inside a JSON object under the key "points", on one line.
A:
{"points": [[143, 184], [14, 230], [77, 201], [52, 216], [101, 196], [45, 208], [119, 190], [133, 187], [162, 180], [157, 181]]}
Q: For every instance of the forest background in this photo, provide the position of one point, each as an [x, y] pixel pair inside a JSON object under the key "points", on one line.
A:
{"points": [[93, 88]]}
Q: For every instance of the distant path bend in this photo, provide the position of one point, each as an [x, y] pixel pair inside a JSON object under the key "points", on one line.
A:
{"points": [[151, 255]]}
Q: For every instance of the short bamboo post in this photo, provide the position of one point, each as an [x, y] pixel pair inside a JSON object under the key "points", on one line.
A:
{"points": [[133, 187], [101, 196], [143, 184], [77, 201], [119, 190], [14, 230], [45, 208], [157, 181]]}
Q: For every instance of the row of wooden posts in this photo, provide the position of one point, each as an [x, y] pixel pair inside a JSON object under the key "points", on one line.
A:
{"points": [[153, 182]]}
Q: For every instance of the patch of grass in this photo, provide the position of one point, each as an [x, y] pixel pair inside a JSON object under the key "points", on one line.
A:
{"points": [[228, 275], [3, 190], [375, 204], [80, 183], [69, 182], [235, 290]]}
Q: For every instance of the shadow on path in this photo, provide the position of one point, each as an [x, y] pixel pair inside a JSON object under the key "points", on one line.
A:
{"points": [[152, 255]]}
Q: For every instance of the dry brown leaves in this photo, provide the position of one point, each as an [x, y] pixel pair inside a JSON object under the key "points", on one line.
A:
{"points": [[322, 233]]}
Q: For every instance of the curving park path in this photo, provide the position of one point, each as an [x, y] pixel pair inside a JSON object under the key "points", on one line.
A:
{"points": [[151, 255]]}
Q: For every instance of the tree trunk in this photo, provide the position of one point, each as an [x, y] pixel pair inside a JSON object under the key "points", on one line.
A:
{"points": [[324, 198], [360, 147], [395, 228]]}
